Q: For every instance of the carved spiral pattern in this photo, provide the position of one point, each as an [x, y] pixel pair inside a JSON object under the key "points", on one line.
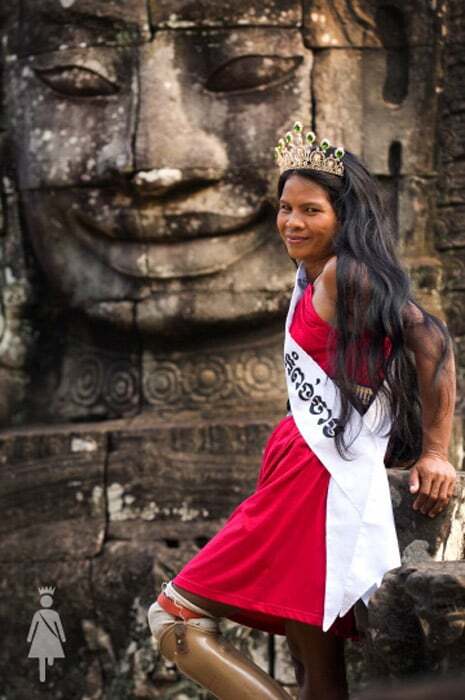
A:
{"points": [[162, 383], [256, 374], [86, 381], [201, 380], [208, 380], [121, 388]]}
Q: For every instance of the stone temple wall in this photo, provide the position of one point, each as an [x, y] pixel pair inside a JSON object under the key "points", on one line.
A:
{"points": [[143, 291]]}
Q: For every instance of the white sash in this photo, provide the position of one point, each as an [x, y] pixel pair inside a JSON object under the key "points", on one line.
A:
{"points": [[361, 540]]}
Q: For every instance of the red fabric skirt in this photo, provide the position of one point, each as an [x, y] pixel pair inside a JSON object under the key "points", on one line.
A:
{"points": [[269, 558]]}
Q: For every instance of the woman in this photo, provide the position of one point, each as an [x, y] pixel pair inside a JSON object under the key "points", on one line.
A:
{"points": [[317, 535]]}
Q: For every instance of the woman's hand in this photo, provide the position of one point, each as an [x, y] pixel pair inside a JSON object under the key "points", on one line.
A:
{"points": [[434, 477]]}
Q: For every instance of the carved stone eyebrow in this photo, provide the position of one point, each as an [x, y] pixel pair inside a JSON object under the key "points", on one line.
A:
{"points": [[57, 24]]}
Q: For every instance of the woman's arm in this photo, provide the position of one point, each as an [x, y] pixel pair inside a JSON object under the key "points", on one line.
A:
{"points": [[433, 477]]}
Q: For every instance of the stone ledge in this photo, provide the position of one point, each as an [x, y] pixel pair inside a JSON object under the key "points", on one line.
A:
{"points": [[424, 539]]}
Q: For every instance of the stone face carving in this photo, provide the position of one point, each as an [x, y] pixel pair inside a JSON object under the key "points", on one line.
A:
{"points": [[140, 158], [149, 205]]}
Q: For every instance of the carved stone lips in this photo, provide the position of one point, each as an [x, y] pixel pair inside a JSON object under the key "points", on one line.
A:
{"points": [[170, 259], [152, 225]]}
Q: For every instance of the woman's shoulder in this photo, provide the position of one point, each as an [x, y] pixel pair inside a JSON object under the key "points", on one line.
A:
{"points": [[330, 267], [328, 277], [324, 294]]}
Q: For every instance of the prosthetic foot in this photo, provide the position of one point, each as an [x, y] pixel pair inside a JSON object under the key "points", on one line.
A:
{"points": [[193, 642]]}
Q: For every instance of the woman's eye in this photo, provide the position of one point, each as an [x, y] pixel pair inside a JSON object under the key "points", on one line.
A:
{"points": [[77, 81], [252, 73]]}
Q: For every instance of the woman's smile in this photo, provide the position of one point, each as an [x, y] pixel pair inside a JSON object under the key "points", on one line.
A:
{"points": [[295, 240]]}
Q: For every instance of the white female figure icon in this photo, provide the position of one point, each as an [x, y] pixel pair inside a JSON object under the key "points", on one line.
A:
{"points": [[46, 633]]}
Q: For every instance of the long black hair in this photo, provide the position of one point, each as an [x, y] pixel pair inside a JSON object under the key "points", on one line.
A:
{"points": [[375, 302]]}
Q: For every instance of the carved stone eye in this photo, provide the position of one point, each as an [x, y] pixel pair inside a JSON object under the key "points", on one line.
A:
{"points": [[252, 73], [77, 81]]}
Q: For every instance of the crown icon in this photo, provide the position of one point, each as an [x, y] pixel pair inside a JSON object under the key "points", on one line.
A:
{"points": [[298, 151], [46, 589]]}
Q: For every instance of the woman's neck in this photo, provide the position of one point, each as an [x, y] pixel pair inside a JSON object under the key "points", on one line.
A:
{"points": [[314, 268]]}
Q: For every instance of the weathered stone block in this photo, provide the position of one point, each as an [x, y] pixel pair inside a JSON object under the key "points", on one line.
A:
{"points": [[369, 24], [452, 138], [359, 113], [387, 121], [52, 495], [416, 621], [454, 270], [454, 306], [183, 14], [454, 88], [416, 209], [123, 589], [179, 482], [426, 275], [339, 112], [451, 184], [449, 227], [14, 391], [51, 25]]}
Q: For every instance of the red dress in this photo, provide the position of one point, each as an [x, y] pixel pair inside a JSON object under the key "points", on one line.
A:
{"points": [[269, 558]]}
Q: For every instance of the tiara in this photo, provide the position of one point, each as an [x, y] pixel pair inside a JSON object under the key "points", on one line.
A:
{"points": [[46, 589], [298, 151]]}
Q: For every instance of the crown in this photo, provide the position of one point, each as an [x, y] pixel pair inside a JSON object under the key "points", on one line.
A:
{"points": [[298, 151], [46, 589]]}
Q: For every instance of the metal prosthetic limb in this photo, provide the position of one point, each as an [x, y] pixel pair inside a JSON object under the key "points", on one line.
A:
{"points": [[197, 648]]}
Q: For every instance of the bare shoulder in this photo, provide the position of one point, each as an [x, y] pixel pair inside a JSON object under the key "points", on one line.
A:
{"points": [[328, 278], [325, 292]]}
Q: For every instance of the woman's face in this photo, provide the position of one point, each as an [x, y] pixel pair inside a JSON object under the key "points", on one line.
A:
{"points": [[306, 220]]}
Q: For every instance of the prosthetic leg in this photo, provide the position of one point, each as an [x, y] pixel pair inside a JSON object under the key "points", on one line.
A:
{"points": [[190, 637]]}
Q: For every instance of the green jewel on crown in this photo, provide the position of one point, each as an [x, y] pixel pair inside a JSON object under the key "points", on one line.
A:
{"points": [[304, 153]]}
